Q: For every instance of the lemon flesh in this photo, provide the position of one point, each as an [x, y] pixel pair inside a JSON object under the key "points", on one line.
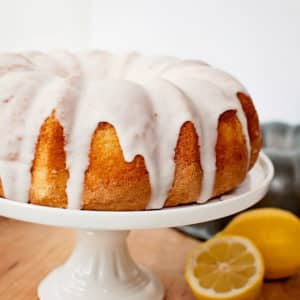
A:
{"points": [[225, 268], [276, 233]]}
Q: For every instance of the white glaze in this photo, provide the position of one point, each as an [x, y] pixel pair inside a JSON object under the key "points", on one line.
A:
{"points": [[146, 99]]}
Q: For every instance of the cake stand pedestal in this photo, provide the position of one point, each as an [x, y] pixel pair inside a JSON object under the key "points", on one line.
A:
{"points": [[100, 266]]}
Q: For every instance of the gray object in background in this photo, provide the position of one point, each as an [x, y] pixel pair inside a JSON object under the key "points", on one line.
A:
{"points": [[282, 145]]}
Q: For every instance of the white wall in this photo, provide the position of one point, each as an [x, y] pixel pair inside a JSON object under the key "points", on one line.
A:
{"points": [[256, 40], [44, 24]]}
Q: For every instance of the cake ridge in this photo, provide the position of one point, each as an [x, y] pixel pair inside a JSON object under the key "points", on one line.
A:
{"points": [[167, 130]]}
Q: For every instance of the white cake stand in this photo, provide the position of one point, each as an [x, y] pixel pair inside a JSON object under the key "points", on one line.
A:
{"points": [[100, 266]]}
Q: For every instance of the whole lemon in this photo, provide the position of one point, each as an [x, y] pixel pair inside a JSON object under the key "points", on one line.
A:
{"points": [[276, 233]]}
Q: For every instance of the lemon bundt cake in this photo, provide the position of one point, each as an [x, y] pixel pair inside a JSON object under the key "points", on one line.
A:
{"points": [[101, 131]]}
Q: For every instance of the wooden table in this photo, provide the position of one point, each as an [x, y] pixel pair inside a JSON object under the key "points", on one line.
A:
{"points": [[28, 252]]}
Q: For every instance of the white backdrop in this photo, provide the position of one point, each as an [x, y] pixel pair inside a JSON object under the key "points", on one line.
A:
{"points": [[258, 41], [44, 24]]}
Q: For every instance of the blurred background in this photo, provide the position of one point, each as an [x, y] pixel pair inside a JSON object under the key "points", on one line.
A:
{"points": [[257, 41]]}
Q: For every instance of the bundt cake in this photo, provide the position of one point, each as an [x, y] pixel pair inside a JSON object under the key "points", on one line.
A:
{"points": [[101, 131]]}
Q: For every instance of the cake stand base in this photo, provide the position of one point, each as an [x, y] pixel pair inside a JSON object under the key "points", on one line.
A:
{"points": [[100, 267]]}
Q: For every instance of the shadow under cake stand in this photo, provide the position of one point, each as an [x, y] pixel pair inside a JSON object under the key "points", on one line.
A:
{"points": [[100, 266]]}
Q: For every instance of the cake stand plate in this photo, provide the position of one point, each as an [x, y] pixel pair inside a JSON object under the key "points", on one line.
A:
{"points": [[100, 266]]}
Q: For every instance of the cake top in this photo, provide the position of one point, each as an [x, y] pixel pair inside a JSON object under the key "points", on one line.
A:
{"points": [[146, 99]]}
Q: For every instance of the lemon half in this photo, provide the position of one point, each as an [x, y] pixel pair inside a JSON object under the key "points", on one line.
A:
{"points": [[228, 267]]}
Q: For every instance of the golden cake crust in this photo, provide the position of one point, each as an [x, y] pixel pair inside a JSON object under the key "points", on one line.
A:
{"points": [[111, 183], [1, 189]]}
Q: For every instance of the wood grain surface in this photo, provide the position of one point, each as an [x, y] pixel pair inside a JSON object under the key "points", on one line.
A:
{"points": [[28, 252]]}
